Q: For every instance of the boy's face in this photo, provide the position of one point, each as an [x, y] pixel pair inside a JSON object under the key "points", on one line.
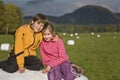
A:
{"points": [[38, 26]]}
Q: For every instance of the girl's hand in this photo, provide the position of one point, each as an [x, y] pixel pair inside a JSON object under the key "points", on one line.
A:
{"points": [[46, 70]]}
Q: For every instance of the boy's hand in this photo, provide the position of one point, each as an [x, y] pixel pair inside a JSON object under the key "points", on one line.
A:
{"points": [[56, 37], [21, 69]]}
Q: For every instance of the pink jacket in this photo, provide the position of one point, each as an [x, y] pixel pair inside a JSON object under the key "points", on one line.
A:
{"points": [[53, 53]]}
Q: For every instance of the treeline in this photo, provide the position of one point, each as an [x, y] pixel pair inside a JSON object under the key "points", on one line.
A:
{"points": [[11, 17], [69, 28]]}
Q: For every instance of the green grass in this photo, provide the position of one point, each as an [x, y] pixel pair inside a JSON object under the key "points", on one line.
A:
{"points": [[5, 39], [98, 56]]}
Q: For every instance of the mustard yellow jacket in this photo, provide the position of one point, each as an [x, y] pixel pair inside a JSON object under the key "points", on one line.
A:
{"points": [[26, 43]]}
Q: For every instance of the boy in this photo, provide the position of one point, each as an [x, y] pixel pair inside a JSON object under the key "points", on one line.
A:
{"points": [[27, 40]]}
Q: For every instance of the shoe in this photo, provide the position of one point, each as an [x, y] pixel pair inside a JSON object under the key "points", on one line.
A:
{"points": [[78, 69]]}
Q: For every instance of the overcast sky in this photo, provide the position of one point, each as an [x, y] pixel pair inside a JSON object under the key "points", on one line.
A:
{"points": [[60, 7]]}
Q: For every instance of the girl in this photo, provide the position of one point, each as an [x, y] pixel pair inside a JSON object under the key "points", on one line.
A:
{"points": [[54, 57]]}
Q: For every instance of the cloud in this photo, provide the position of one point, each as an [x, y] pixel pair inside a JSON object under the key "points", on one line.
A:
{"points": [[53, 8], [34, 2], [60, 7], [113, 5]]}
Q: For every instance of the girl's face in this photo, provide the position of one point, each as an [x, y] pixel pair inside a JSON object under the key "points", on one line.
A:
{"points": [[47, 35], [37, 27]]}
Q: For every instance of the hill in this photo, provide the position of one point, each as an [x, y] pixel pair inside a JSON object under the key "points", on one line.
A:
{"points": [[89, 14], [118, 14]]}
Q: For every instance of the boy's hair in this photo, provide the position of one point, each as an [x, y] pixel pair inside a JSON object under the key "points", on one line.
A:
{"points": [[40, 18]]}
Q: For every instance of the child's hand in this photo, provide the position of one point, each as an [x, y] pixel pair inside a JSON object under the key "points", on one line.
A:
{"points": [[56, 37], [46, 70], [21, 69]]}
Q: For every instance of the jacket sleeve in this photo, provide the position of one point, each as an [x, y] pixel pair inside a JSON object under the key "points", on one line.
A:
{"points": [[62, 54], [42, 53], [19, 48]]}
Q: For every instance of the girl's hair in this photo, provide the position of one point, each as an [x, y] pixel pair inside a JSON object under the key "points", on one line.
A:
{"points": [[50, 27], [40, 18]]}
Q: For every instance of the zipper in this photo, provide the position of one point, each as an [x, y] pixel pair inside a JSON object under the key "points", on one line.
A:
{"points": [[37, 44], [32, 43]]}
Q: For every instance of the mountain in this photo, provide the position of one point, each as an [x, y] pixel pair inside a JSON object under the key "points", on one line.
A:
{"points": [[118, 14], [89, 14]]}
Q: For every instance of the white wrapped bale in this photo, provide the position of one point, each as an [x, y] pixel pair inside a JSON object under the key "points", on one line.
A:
{"points": [[71, 42], [5, 47]]}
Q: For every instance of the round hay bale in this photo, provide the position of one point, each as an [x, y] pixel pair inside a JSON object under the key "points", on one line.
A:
{"points": [[71, 42], [5, 47]]}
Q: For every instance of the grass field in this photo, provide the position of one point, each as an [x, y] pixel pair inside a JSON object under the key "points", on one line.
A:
{"points": [[99, 56]]}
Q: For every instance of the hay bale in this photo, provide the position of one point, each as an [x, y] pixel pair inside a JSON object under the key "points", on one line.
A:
{"points": [[29, 75], [5, 47]]}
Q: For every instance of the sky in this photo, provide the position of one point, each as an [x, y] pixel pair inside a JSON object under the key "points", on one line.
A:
{"points": [[60, 7]]}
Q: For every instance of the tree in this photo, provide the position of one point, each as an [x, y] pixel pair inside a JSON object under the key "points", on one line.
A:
{"points": [[1, 15], [13, 18]]}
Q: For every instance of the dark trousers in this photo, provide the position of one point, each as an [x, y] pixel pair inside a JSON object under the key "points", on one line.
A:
{"points": [[31, 63]]}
